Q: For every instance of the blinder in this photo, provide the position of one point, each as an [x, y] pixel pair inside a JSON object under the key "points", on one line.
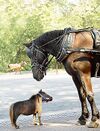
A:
{"points": [[28, 51], [35, 52]]}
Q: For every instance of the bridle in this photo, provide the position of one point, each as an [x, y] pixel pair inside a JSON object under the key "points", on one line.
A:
{"points": [[44, 98], [44, 65]]}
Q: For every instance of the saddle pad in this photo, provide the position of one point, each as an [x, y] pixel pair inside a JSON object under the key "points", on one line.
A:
{"points": [[68, 40]]}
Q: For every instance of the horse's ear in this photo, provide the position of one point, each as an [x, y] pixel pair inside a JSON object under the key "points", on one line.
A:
{"points": [[27, 45], [40, 90]]}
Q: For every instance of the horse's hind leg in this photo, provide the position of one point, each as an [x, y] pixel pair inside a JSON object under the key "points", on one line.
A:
{"points": [[85, 78], [90, 97], [95, 113], [14, 122], [13, 116], [82, 95]]}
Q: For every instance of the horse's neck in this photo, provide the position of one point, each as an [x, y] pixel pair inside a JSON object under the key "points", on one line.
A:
{"points": [[54, 47], [48, 36], [50, 41]]}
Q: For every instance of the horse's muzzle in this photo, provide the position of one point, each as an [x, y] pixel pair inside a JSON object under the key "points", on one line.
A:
{"points": [[49, 99], [38, 77]]}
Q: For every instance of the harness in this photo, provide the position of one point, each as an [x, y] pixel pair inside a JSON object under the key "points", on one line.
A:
{"points": [[68, 40], [65, 49], [96, 37]]}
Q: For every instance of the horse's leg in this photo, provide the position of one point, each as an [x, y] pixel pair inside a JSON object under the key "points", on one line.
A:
{"points": [[85, 77], [34, 117], [14, 121], [82, 95], [90, 97]]}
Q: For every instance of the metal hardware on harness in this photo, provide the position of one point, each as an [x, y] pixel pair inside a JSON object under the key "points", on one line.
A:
{"points": [[96, 37], [61, 55], [97, 69], [83, 50]]}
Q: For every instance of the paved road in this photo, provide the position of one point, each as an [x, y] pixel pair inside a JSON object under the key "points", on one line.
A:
{"points": [[60, 114]]}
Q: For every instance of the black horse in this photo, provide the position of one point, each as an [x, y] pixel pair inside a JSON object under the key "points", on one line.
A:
{"points": [[73, 48]]}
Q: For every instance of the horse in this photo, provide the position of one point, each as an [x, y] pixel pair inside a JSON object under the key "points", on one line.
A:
{"points": [[32, 106], [78, 52]]}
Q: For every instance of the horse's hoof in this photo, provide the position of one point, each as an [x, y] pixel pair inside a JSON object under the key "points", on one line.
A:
{"points": [[35, 124], [41, 124], [17, 127], [82, 121], [93, 124]]}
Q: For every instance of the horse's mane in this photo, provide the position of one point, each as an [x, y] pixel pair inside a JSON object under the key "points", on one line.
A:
{"points": [[46, 37], [33, 97]]}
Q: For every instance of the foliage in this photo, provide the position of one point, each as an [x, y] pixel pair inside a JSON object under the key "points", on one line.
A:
{"points": [[23, 20]]}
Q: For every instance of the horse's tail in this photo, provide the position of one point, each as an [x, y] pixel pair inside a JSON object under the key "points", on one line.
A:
{"points": [[11, 113]]}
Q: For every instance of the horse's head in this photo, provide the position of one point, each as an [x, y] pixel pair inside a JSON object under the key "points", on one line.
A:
{"points": [[37, 51], [39, 60], [45, 96]]}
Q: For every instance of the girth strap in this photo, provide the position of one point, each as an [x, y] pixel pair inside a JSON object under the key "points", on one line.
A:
{"points": [[62, 55]]}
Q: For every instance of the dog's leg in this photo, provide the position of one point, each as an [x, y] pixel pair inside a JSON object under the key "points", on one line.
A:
{"points": [[34, 119]]}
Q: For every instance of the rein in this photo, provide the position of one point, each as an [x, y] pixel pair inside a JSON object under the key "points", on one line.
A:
{"points": [[52, 41]]}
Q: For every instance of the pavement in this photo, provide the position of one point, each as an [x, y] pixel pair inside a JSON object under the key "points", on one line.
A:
{"points": [[59, 115], [52, 127]]}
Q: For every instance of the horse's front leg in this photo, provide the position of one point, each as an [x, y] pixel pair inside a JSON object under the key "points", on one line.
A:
{"points": [[82, 96], [85, 78]]}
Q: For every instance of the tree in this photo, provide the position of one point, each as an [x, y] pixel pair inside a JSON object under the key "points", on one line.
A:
{"points": [[23, 21]]}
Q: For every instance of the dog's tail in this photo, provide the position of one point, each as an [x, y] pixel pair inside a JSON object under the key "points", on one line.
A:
{"points": [[11, 113]]}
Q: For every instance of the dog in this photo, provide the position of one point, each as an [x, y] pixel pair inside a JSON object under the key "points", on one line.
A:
{"points": [[31, 106], [17, 67]]}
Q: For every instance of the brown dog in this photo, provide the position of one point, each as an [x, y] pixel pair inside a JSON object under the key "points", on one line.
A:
{"points": [[31, 106], [17, 67]]}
